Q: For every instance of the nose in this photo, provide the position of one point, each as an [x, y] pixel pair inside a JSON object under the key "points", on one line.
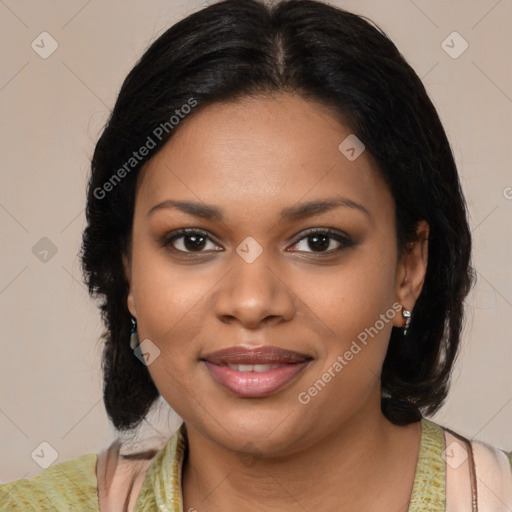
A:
{"points": [[254, 294]]}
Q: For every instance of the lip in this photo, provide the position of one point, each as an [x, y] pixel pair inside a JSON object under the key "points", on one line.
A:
{"points": [[266, 354], [285, 366]]}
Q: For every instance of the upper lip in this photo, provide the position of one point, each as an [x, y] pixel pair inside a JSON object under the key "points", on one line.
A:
{"points": [[257, 355]]}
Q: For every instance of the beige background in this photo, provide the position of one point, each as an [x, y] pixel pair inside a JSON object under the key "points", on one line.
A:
{"points": [[52, 110]]}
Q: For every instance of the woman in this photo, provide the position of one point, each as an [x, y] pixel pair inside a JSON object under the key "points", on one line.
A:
{"points": [[278, 233]]}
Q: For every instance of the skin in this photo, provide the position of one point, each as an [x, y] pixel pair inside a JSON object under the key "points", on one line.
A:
{"points": [[251, 159]]}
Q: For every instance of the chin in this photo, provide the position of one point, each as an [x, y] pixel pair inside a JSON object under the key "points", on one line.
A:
{"points": [[258, 430]]}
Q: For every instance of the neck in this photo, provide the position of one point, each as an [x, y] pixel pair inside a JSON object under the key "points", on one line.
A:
{"points": [[366, 464]]}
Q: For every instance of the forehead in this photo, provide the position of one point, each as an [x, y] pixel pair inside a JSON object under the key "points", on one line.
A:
{"points": [[260, 153]]}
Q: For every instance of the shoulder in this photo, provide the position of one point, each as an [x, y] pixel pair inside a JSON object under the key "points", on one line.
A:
{"points": [[121, 474], [107, 481], [68, 485], [485, 456], [493, 472], [475, 471]]}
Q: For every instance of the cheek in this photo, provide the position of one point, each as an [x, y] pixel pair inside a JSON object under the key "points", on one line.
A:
{"points": [[168, 297], [169, 302], [345, 300], [354, 312]]}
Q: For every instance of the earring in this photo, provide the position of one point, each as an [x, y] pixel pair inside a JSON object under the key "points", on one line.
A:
{"points": [[385, 394], [407, 319], [134, 338]]}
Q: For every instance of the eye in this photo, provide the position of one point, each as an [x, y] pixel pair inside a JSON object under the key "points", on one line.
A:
{"points": [[189, 240], [321, 240]]}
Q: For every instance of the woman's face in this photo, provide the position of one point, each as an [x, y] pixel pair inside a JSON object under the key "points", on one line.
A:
{"points": [[250, 274]]}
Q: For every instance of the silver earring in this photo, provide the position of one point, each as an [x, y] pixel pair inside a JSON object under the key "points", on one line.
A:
{"points": [[134, 338], [407, 320]]}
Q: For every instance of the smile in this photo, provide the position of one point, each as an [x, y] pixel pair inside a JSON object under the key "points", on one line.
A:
{"points": [[257, 372]]}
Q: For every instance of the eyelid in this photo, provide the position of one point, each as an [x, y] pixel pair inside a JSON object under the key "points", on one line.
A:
{"points": [[341, 237], [180, 233], [328, 231]]}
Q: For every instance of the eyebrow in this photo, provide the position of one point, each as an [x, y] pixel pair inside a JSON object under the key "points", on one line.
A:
{"points": [[291, 213]]}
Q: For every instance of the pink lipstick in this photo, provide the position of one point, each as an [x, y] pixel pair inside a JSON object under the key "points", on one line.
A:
{"points": [[255, 372]]}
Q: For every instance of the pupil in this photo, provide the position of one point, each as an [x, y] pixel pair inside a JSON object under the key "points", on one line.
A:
{"points": [[323, 244], [197, 241], [316, 242]]}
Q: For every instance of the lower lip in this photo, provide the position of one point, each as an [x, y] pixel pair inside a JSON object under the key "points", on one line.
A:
{"points": [[254, 384]]}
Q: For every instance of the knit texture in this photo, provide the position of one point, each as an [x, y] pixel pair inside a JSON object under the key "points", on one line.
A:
{"points": [[428, 492], [72, 485], [67, 486]]}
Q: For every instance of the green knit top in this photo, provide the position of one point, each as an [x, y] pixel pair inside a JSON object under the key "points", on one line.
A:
{"points": [[72, 485]]}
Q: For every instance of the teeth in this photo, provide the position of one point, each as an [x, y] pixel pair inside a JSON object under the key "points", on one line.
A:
{"points": [[258, 368], [245, 367]]}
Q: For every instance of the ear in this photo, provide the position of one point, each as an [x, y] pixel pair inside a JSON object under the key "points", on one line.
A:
{"points": [[411, 271], [128, 273]]}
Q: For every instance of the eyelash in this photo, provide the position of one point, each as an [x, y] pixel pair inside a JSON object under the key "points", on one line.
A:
{"points": [[344, 241]]}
